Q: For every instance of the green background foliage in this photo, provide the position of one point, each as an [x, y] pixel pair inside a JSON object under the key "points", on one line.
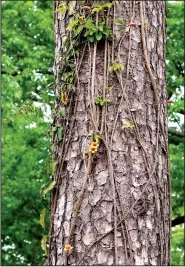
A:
{"points": [[28, 56], [27, 79], [175, 86]]}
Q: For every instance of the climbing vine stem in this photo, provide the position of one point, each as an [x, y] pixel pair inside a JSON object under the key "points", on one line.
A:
{"points": [[90, 26]]}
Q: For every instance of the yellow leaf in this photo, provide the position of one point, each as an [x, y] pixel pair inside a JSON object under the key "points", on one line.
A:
{"points": [[146, 25], [43, 243], [53, 166], [96, 138], [127, 125], [70, 7], [42, 217], [64, 98], [116, 2]]}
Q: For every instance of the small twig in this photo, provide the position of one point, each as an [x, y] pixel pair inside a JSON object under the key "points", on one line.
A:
{"points": [[107, 82], [143, 38], [114, 11], [93, 76], [104, 85], [111, 173], [124, 237], [80, 63], [121, 216], [90, 76], [123, 87]]}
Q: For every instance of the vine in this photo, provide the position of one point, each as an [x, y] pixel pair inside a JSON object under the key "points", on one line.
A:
{"points": [[89, 26]]}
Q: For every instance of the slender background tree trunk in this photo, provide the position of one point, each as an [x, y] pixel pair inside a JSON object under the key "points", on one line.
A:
{"points": [[128, 180]]}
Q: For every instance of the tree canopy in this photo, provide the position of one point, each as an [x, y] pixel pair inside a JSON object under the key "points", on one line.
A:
{"points": [[27, 100]]}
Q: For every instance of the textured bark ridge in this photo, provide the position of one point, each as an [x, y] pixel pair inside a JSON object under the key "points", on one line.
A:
{"points": [[133, 143]]}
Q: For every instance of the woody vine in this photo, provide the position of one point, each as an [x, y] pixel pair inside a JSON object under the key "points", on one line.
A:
{"points": [[93, 24]]}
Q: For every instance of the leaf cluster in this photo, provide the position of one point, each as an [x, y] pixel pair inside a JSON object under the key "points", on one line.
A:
{"points": [[91, 31], [116, 66], [97, 7], [101, 101]]}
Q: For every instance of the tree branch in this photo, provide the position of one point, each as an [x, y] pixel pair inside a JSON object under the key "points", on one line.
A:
{"points": [[177, 221], [175, 132]]}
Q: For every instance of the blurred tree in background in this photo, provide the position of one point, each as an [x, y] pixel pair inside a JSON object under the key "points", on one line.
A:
{"points": [[175, 87], [27, 82], [27, 98]]}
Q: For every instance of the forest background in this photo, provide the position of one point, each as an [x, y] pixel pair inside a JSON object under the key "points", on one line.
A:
{"points": [[27, 103]]}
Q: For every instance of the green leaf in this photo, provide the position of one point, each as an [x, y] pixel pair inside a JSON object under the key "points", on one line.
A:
{"points": [[100, 27], [97, 100], [106, 31], [91, 32], [72, 25], [53, 167], [60, 133], [90, 25], [97, 4], [91, 38], [86, 33], [96, 10], [108, 5], [45, 188], [98, 36], [62, 111], [96, 138], [42, 217], [116, 66], [98, 7], [78, 30], [101, 101]]}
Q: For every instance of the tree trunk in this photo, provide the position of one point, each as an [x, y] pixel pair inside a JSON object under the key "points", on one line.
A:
{"points": [[111, 206]]}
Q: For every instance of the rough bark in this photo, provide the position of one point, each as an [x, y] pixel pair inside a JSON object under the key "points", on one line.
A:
{"points": [[143, 237]]}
